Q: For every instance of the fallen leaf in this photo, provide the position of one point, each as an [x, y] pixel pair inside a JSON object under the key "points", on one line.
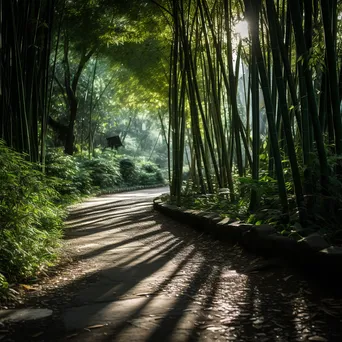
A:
{"points": [[203, 327], [13, 291], [27, 287], [226, 321], [96, 326], [257, 326], [214, 328], [318, 338], [278, 325], [328, 311], [288, 277], [38, 334], [71, 336]]}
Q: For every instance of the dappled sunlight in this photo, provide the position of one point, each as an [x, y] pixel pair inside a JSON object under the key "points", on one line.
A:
{"points": [[100, 217], [236, 105], [302, 312], [152, 256], [142, 256], [193, 286], [141, 274], [106, 213]]}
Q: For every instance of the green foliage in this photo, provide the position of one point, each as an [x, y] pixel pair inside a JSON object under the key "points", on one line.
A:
{"points": [[149, 173], [264, 187], [104, 170], [141, 172], [127, 170], [30, 221], [72, 179], [3, 286], [148, 178], [78, 176]]}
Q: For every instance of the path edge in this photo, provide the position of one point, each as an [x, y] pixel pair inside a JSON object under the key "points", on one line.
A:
{"points": [[312, 253]]}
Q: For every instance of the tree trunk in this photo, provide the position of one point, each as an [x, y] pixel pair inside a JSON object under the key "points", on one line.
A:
{"points": [[69, 142]]}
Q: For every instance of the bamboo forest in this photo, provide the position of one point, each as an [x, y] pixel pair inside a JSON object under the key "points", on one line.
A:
{"points": [[140, 134]]}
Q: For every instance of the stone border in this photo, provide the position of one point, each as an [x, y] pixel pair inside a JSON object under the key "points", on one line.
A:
{"points": [[312, 252]]}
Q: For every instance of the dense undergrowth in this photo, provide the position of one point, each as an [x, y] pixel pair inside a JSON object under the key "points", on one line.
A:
{"points": [[30, 222], [321, 211], [33, 204], [77, 176]]}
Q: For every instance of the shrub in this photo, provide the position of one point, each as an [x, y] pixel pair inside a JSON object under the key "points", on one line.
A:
{"points": [[149, 167], [141, 172], [3, 286], [149, 174], [104, 170], [30, 221], [127, 170], [72, 179]]}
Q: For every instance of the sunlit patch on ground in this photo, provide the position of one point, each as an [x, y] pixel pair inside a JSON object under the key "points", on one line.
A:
{"points": [[139, 276]]}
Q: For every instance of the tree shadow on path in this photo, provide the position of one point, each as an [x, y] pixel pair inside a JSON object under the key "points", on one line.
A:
{"points": [[149, 278]]}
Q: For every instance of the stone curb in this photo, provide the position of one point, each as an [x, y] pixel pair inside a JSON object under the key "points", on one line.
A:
{"points": [[312, 252]]}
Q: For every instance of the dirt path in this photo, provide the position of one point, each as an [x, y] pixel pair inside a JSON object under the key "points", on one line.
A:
{"points": [[139, 276]]}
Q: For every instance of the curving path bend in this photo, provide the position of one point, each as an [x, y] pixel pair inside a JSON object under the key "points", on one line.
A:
{"points": [[136, 275]]}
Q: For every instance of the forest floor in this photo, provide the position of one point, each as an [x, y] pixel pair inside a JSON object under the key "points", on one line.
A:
{"points": [[134, 275]]}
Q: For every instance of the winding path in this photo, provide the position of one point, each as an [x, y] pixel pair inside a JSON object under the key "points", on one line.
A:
{"points": [[139, 276]]}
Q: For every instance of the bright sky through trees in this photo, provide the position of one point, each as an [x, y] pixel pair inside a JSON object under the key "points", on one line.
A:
{"points": [[241, 28]]}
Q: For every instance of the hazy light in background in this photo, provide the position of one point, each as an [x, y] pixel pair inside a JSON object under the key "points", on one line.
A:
{"points": [[241, 28]]}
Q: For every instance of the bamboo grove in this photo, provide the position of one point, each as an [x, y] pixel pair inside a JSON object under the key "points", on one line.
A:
{"points": [[265, 107], [260, 110], [25, 40]]}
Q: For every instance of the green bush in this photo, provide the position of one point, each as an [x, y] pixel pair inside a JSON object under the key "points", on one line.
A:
{"points": [[149, 167], [159, 177], [30, 221], [141, 172], [3, 286], [127, 170], [104, 170], [146, 178], [77, 176], [72, 179], [149, 173]]}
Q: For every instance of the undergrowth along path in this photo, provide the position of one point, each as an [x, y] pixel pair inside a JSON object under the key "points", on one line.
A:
{"points": [[136, 275]]}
